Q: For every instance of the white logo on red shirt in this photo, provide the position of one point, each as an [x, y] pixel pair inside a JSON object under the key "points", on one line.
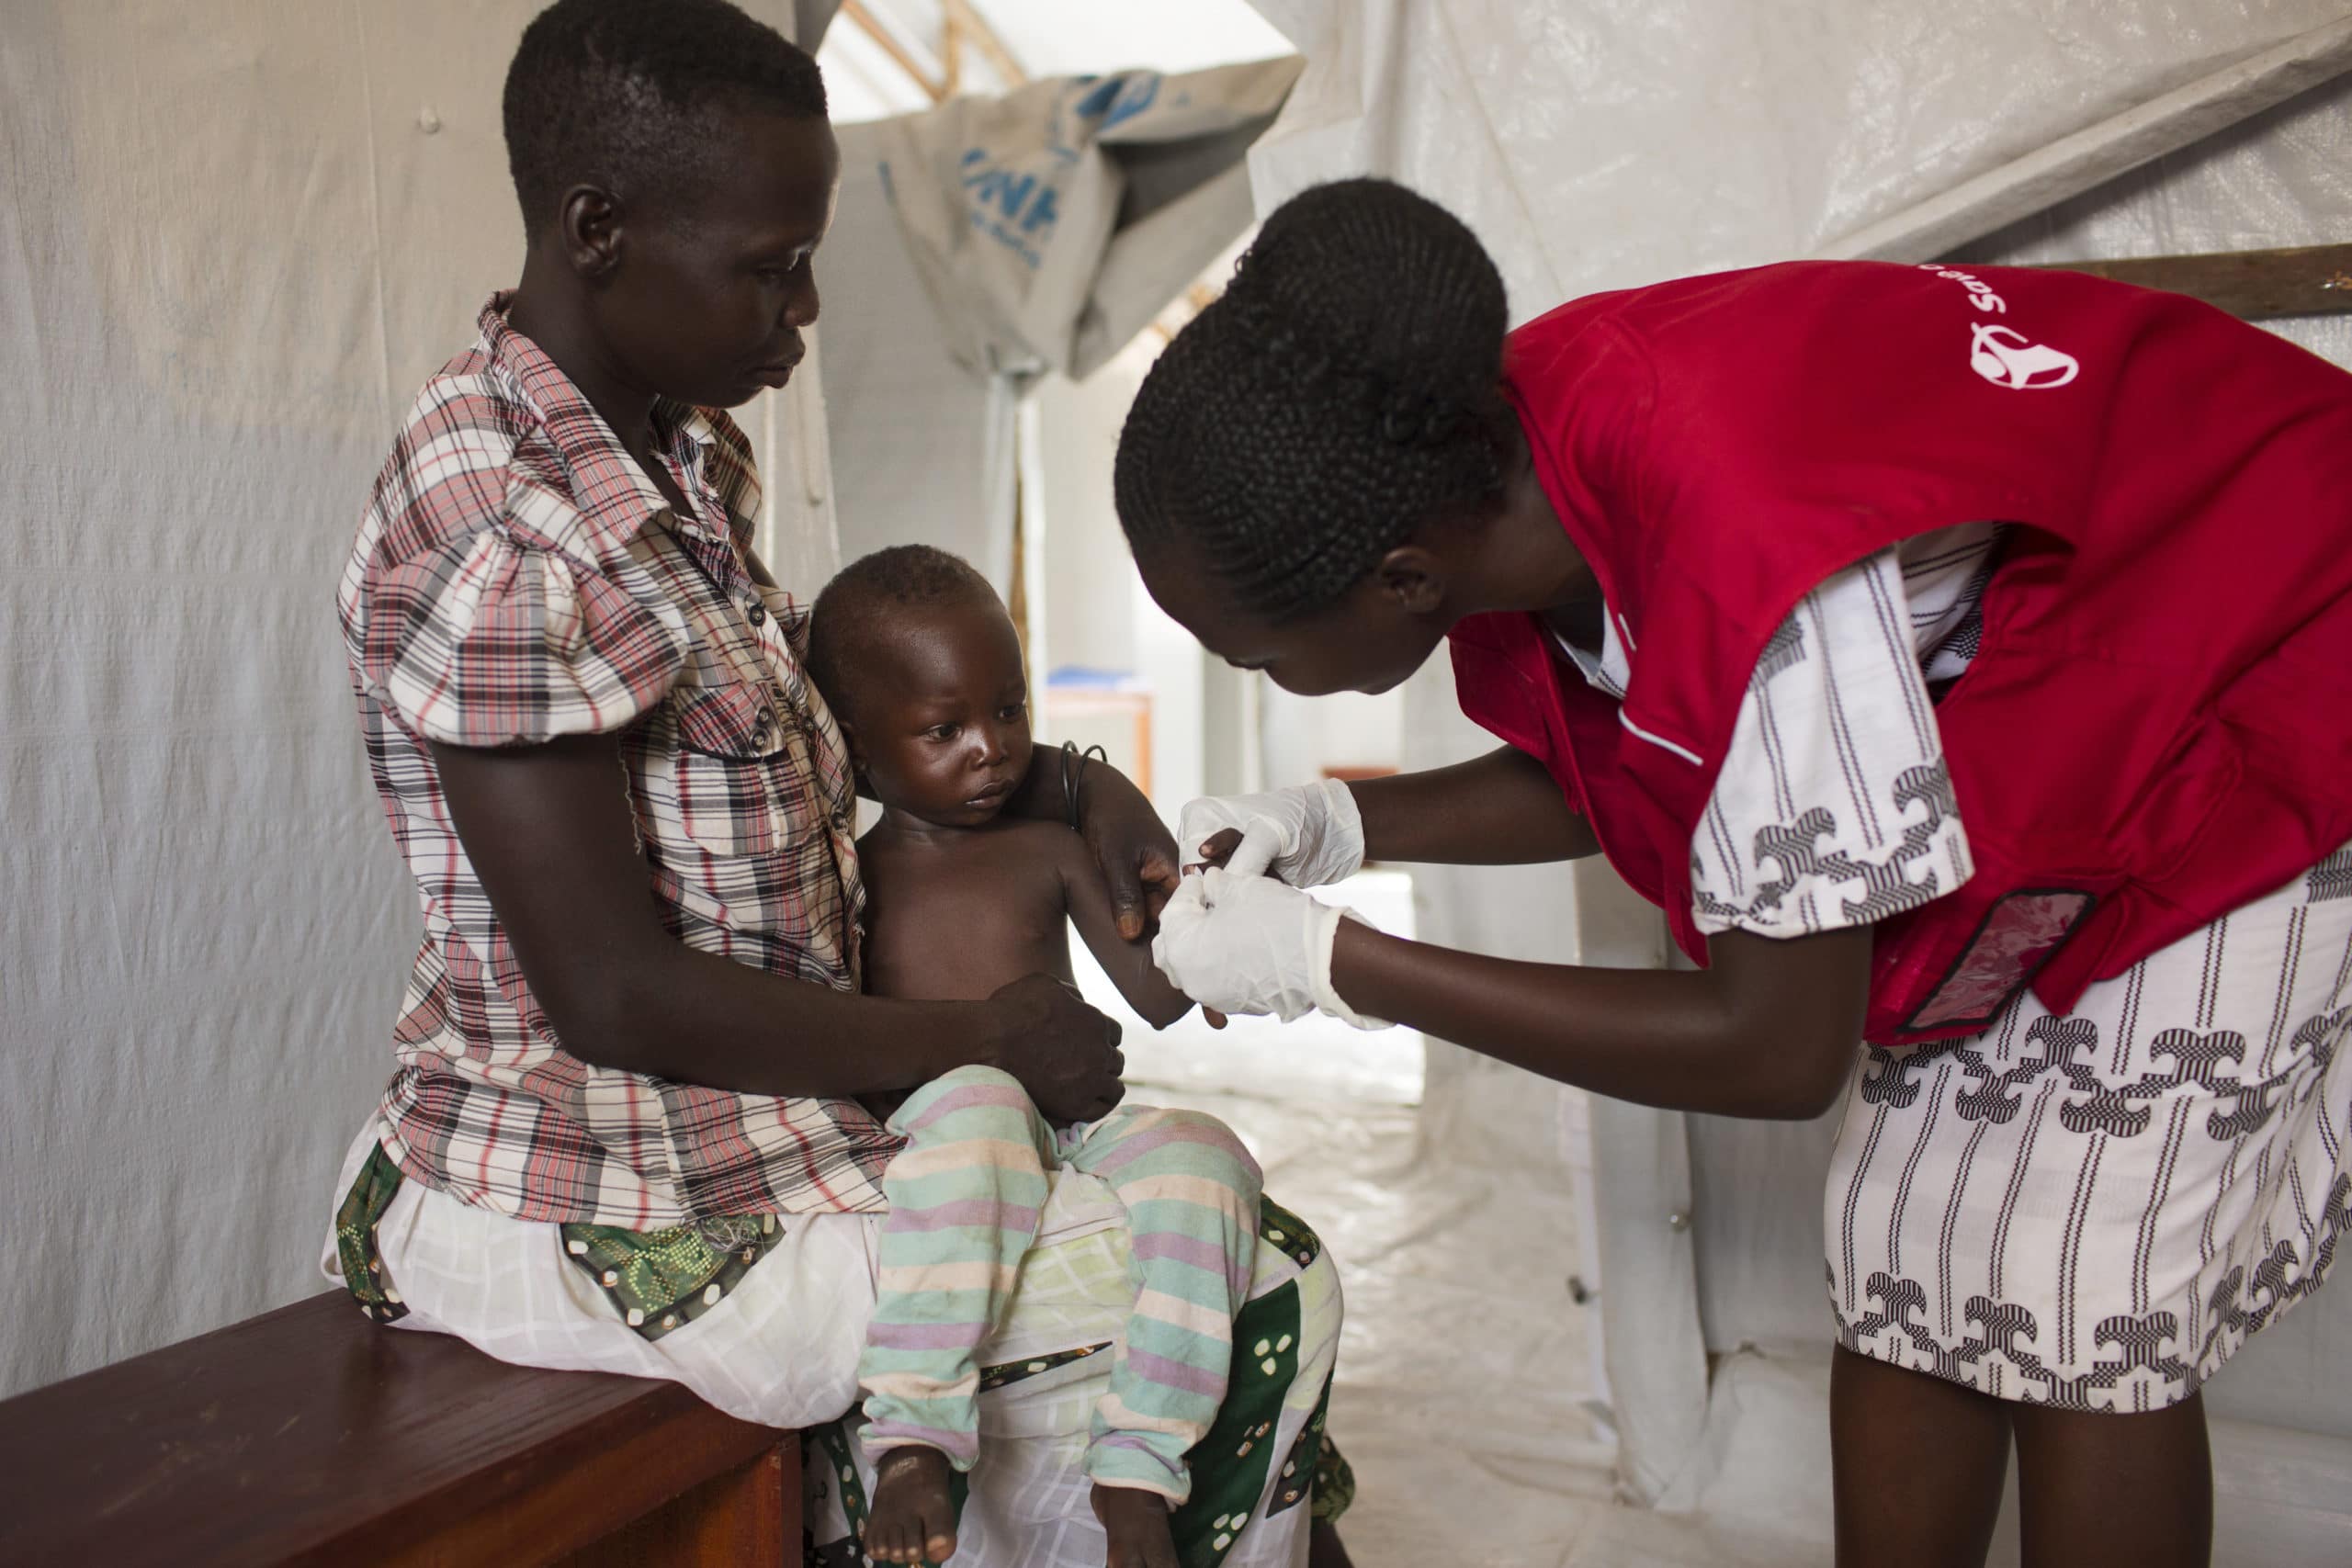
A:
{"points": [[2006, 359], [2001, 354]]}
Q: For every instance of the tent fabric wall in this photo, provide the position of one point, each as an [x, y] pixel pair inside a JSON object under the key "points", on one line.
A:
{"points": [[234, 237], [922, 444], [1124, 189], [1052, 223], [1609, 142]]}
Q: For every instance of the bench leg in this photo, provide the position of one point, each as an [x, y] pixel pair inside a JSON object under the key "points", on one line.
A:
{"points": [[748, 1517]]}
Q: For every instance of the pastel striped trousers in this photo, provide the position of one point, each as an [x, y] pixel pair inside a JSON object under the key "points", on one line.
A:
{"points": [[965, 1198]]}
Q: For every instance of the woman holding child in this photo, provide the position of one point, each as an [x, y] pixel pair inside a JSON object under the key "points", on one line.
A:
{"points": [[627, 1131], [1963, 661]]}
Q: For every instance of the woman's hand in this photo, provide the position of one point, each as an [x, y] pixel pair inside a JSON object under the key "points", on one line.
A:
{"points": [[1131, 844], [1125, 836], [1314, 831], [1062, 1051], [1241, 942]]}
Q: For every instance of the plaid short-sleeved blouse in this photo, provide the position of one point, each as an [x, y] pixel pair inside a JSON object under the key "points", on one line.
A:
{"points": [[517, 578]]}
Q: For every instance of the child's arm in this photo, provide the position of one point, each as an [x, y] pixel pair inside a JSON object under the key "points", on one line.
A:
{"points": [[1127, 963]]}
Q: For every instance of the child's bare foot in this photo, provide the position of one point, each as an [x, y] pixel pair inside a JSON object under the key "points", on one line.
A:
{"points": [[911, 1519], [1137, 1522]]}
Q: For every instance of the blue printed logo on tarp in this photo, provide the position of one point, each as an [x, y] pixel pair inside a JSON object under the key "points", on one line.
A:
{"points": [[1117, 98], [1017, 208]]}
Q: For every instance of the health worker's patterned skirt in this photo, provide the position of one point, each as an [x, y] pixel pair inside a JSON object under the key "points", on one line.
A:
{"points": [[2095, 1210]]}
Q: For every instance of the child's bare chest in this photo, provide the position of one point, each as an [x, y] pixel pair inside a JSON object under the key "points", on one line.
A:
{"points": [[959, 927]]}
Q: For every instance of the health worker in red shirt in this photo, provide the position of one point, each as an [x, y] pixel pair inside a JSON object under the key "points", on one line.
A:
{"points": [[1962, 658]]}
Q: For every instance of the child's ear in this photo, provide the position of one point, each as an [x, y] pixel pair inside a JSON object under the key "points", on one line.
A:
{"points": [[857, 779], [1411, 579]]}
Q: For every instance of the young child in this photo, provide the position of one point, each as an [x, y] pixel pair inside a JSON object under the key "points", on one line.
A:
{"points": [[916, 657]]}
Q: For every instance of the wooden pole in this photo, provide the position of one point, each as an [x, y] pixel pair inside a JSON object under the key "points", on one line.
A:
{"points": [[866, 23], [2256, 286], [974, 26]]}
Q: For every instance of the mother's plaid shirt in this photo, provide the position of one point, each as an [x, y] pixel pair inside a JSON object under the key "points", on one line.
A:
{"points": [[517, 578]]}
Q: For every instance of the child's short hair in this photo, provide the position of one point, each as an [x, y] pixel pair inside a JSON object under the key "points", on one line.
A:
{"points": [[853, 611], [622, 91]]}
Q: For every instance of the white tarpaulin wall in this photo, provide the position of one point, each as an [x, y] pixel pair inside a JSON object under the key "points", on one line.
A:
{"points": [[235, 235], [990, 240], [1602, 144], [922, 443], [1051, 225]]}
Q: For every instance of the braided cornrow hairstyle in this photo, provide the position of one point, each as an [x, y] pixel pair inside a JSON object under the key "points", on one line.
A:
{"points": [[1342, 391]]}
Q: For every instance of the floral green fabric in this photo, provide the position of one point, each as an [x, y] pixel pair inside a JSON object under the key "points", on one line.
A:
{"points": [[660, 1280], [354, 1238]]}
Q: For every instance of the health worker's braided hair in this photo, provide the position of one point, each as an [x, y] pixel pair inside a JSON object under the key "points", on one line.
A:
{"points": [[1342, 391]]}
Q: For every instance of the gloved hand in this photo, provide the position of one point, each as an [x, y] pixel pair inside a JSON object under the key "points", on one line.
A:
{"points": [[1314, 831], [1241, 942]]}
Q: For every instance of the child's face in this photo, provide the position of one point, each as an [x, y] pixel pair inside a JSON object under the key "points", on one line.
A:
{"points": [[942, 727], [711, 292]]}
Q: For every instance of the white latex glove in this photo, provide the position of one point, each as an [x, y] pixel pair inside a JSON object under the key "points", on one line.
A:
{"points": [[1246, 943], [1314, 831]]}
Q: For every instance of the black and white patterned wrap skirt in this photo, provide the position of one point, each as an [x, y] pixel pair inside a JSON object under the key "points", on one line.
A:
{"points": [[2095, 1210]]}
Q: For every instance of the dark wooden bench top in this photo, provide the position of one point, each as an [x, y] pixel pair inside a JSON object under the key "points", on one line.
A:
{"points": [[312, 1435]]}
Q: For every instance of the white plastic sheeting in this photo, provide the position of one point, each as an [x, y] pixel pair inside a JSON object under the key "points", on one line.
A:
{"points": [[235, 235], [1051, 225], [922, 441], [1045, 38], [1607, 142]]}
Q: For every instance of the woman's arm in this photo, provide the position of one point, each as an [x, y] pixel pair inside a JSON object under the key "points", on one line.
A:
{"points": [[549, 831], [1500, 809], [1130, 844], [1769, 1030], [1128, 964]]}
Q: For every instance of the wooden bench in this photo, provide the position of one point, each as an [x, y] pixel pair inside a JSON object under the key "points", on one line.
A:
{"points": [[310, 1435]]}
